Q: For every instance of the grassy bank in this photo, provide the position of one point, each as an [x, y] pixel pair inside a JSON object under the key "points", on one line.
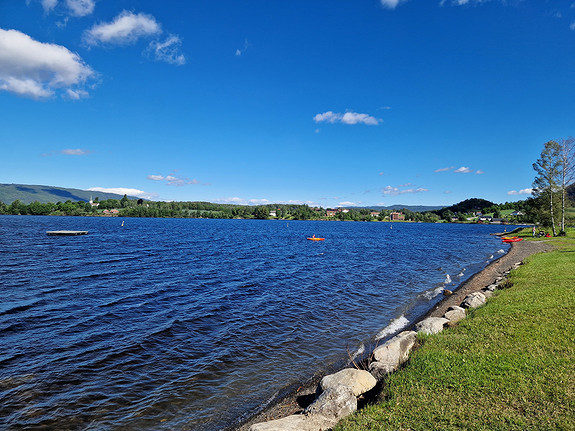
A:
{"points": [[509, 366]]}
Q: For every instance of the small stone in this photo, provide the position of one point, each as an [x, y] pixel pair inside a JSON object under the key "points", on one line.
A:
{"points": [[447, 292]]}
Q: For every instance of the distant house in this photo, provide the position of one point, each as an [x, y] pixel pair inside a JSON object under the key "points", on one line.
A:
{"points": [[375, 213], [344, 210], [397, 216], [93, 204], [273, 213], [111, 212], [517, 213], [330, 213]]}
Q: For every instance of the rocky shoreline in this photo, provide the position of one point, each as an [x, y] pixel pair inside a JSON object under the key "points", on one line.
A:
{"points": [[333, 403]]}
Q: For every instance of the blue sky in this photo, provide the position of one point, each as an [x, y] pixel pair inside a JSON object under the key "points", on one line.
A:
{"points": [[325, 102]]}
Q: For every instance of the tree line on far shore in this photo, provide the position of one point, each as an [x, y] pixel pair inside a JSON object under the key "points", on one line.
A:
{"points": [[549, 206], [470, 210]]}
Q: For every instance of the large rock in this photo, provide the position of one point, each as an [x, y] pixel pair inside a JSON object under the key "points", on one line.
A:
{"points": [[487, 293], [296, 423], [474, 300], [360, 381], [334, 403], [431, 325], [454, 314], [389, 356]]}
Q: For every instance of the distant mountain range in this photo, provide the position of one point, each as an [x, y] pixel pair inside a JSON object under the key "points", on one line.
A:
{"points": [[27, 194], [44, 194]]}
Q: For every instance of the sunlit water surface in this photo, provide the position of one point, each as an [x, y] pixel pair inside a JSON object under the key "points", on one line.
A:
{"points": [[166, 324]]}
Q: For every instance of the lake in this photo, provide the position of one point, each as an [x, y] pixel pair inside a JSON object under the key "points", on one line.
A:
{"points": [[192, 324]]}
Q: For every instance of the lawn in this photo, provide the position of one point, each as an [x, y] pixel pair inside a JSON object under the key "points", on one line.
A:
{"points": [[509, 366]]}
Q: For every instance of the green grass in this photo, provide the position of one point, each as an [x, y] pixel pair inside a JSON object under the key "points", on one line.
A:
{"points": [[509, 366]]}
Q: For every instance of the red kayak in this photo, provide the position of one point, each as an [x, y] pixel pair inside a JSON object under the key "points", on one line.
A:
{"points": [[313, 238], [512, 239]]}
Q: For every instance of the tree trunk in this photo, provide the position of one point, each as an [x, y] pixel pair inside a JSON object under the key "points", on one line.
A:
{"points": [[551, 211]]}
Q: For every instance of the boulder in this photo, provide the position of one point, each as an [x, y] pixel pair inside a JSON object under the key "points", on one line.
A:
{"points": [[487, 293], [454, 314], [431, 325], [296, 423], [447, 292], [360, 381], [334, 403], [389, 356], [491, 288], [474, 300]]}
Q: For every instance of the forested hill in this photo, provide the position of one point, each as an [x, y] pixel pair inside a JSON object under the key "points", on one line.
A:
{"points": [[47, 194]]}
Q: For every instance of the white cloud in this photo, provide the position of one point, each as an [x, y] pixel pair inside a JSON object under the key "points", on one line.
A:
{"points": [[520, 192], [35, 69], [75, 152], [80, 7], [572, 26], [347, 204], [173, 180], [479, 172], [126, 29], [168, 51], [123, 191], [462, 170], [391, 4], [395, 191], [347, 118]]}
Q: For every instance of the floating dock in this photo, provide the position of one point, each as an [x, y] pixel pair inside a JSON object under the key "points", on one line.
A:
{"points": [[66, 232]]}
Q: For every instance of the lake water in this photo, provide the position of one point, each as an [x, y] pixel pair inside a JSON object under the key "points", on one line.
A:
{"points": [[166, 324]]}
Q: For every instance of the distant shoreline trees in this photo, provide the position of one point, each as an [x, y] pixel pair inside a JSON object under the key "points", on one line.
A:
{"points": [[469, 211]]}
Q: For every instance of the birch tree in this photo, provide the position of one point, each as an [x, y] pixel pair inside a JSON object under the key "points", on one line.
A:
{"points": [[567, 174], [548, 176]]}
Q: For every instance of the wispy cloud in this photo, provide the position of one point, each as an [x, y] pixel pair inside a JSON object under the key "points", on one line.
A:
{"points": [[572, 26], [444, 169], [347, 118], [401, 190], [75, 152], [520, 192], [81, 7], [242, 50], [461, 170], [391, 4], [173, 180], [48, 5], [168, 51], [76, 8], [39, 70], [124, 191]]}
